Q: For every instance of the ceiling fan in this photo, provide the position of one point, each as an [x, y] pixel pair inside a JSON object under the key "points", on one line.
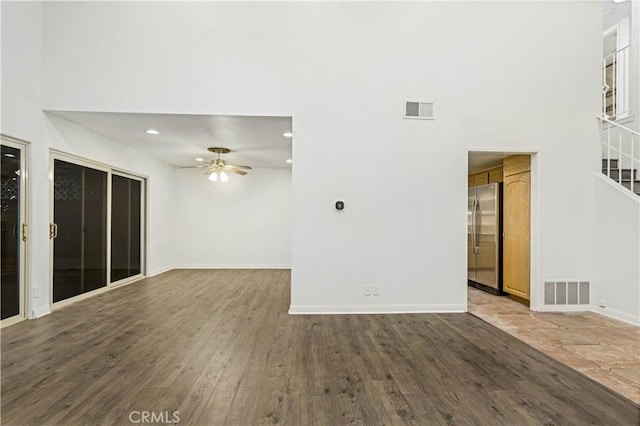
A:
{"points": [[217, 169]]}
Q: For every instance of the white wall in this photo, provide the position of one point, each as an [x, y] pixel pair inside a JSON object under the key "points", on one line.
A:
{"points": [[634, 69], [245, 222], [617, 251], [22, 118], [502, 74], [617, 213], [627, 16]]}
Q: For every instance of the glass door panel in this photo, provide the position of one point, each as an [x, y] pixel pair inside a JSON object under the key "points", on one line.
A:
{"points": [[135, 229], [80, 247], [10, 282], [94, 234], [119, 227], [125, 227], [67, 246]]}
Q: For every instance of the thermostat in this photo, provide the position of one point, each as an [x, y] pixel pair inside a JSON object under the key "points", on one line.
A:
{"points": [[339, 205]]}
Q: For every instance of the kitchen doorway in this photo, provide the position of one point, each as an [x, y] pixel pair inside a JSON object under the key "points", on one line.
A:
{"points": [[499, 224]]}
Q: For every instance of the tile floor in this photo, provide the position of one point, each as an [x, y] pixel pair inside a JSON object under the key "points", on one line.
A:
{"points": [[604, 349]]}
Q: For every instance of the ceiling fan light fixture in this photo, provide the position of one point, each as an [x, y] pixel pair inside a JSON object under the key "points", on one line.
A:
{"points": [[219, 169]]}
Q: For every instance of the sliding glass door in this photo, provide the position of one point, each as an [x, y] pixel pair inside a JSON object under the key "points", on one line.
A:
{"points": [[126, 227], [14, 231], [79, 230], [97, 227]]}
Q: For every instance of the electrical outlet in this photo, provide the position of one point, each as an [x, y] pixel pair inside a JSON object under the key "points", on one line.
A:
{"points": [[375, 289], [603, 303], [367, 290]]}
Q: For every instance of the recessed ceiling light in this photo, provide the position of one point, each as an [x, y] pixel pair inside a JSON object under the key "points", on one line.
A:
{"points": [[199, 159], [287, 134], [289, 161], [619, 1], [10, 155], [152, 132]]}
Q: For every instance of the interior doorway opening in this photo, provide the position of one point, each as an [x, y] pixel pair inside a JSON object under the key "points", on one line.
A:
{"points": [[499, 224]]}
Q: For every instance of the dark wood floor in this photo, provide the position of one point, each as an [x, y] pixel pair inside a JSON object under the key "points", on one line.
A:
{"points": [[220, 348]]}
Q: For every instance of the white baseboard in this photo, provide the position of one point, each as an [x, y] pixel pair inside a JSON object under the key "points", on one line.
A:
{"points": [[162, 271], [40, 312], [619, 315], [159, 271], [373, 309], [251, 266], [611, 313]]}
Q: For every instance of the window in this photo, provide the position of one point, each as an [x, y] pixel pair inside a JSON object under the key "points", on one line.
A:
{"points": [[615, 72]]}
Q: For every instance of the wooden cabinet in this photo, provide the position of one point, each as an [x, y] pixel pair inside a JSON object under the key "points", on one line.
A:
{"points": [[490, 176], [517, 226], [481, 178], [517, 164], [478, 179], [495, 175]]}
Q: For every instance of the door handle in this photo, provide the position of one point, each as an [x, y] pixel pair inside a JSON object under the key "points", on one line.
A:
{"points": [[25, 233], [53, 231], [476, 227], [473, 225]]}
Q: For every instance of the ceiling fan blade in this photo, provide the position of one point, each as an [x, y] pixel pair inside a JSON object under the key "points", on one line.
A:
{"points": [[237, 166], [232, 169], [192, 167]]}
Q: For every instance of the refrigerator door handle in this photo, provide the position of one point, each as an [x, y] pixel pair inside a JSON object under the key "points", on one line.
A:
{"points": [[473, 224], [476, 226]]}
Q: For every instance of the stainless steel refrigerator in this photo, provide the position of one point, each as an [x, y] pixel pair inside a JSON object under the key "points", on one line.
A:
{"points": [[484, 231]]}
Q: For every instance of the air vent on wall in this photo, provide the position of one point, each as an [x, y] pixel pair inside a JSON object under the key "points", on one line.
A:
{"points": [[419, 110], [566, 292]]}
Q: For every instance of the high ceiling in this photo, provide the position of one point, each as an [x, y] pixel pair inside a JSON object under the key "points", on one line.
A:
{"points": [[254, 141], [614, 12]]}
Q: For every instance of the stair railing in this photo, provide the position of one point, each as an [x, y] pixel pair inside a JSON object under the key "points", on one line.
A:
{"points": [[620, 142]]}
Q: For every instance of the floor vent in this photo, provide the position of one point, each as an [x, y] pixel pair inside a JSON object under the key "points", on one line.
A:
{"points": [[420, 110], [566, 292]]}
